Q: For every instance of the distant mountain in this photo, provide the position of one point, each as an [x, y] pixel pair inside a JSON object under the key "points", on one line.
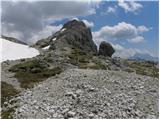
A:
{"points": [[145, 56]]}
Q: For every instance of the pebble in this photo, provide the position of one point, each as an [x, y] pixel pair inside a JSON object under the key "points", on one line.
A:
{"points": [[91, 115], [71, 114]]}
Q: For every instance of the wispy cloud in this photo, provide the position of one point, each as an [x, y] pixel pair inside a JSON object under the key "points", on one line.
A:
{"points": [[130, 6], [111, 9]]}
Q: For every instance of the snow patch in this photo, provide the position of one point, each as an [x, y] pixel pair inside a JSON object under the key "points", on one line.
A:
{"points": [[63, 29], [45, 48], [14, 51], [54, 39]]}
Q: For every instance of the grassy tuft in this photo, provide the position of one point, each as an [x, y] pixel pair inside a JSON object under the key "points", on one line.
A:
{"points": [[7, 92], [28, 80], [7, 113], [28, 66], [144, 68], [84, 60]]}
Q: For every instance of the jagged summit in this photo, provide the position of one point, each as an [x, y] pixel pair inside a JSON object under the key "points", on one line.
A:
{"points": [[74, 24], [73, 34]]}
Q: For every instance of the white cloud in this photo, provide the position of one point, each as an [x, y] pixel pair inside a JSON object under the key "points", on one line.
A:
{"points": [[142, 29], [28, 18], [121, 31], [128, 52], [137, 39], [111, 9], [88, 23], [130, 6], [118, 47], [47, 31]]}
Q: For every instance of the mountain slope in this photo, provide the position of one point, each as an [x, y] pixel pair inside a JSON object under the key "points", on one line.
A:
{"points": [[12, 51], [146, 56], [84, 94], [13, 40]]}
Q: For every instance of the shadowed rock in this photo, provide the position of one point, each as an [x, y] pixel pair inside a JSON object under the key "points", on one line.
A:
{"points": [[106, 49], [73, 34]]}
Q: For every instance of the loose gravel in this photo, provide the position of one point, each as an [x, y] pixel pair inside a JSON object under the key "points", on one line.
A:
{"points": [[79, 93]]}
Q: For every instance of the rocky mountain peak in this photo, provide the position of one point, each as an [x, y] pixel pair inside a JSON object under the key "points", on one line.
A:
{"points": [[73, 34], [74, 24]]}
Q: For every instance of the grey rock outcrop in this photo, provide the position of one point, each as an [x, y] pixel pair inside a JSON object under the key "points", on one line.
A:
{"points": [[106, 49], [73, 34]]}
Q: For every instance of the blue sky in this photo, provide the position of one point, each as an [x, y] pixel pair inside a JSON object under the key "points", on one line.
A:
{"points": [[130, 26]]}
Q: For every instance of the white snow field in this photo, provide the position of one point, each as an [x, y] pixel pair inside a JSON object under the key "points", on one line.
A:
{"points": [[13, 51]]}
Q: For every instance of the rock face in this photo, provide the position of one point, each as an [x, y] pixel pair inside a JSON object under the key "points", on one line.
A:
{"points": [[106, 49], [73, 34]]}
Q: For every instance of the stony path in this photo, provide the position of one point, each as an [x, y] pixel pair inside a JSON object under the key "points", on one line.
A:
{"points": [[78, 93]]}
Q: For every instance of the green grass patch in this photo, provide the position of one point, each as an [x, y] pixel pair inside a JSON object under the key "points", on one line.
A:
{"points": [[34, 71], [32, 65], [84, 60], [28, 80], [7, 92], [7, 113], [79, 56], [94, 65], [144, 68]]}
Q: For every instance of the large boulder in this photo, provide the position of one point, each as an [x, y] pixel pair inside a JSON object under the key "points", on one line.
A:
{"points": [[73, 34], [106, 49]]}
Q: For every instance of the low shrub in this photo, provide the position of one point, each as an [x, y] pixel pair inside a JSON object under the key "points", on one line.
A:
{"points": [[28, 80]]}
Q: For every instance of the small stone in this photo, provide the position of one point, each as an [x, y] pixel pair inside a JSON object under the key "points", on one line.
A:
{"points": [[91, 115], [71, 94], [65, 110], [108, 91], [141, 87], [35, 101], [78, 91], [151, 117], [71, 114], [92, 89], [5, 103]]}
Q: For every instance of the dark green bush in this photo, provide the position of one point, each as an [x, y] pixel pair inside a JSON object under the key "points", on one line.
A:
{"points": [[28, 79]]}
